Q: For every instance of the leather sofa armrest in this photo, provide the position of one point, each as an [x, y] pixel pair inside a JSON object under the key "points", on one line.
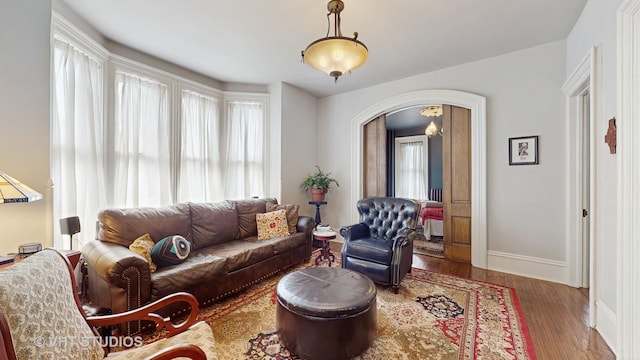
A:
{"points": [[305, 224], [114, 270], [356, 231]]}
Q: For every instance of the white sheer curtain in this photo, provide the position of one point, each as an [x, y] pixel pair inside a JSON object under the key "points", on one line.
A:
{"points": [[244, 175], [411, 172], [142, 148], [77, 143], [200, 177]]}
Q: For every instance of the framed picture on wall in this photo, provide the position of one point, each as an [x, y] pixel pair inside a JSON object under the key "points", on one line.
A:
{"points": [[523, 150]]}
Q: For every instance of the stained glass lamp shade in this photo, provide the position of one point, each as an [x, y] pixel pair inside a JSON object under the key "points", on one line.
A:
{"points": [[13, 191]]}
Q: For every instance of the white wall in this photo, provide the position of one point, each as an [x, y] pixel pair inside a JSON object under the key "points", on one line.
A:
{"points": [[298, 144], [523, 90], [597, 27], [274, 148], [24, 118]]}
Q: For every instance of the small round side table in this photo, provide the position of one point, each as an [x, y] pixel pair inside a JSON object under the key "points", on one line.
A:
{"points": [[325, 251]]}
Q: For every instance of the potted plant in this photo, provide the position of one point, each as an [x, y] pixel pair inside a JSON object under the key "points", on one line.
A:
{"points": [[318, 182]]}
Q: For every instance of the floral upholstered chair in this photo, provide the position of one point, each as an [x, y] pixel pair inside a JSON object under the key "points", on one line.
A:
{"points": [[41, 318]]}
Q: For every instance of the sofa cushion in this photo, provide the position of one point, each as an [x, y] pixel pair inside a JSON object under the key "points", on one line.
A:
{"points": [[283, 244], [213, 223], [241, 253], [272, 224], [171, 250], [372, 249], [197, 269], [143, 247], [123, 226], [247, 210], [292, 214]]}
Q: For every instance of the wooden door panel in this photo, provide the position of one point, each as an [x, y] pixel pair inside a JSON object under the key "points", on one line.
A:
{"points": [[461, 155], [375, 157], [461, 230], [456, 155], [460, 248]]}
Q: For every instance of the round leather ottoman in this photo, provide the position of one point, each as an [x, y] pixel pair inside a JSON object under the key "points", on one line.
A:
{"points": [[326, 313]]}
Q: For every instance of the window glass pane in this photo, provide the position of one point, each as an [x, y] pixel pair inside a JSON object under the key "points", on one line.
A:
{"points": [[142, 171], [245, 150], [77, 143], [200, 167], [411, 171]]}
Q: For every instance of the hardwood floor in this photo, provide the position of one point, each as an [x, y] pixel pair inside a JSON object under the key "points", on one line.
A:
{"points": [[556, 315]]}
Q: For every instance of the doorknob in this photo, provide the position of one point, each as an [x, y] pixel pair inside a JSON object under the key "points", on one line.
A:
{"points": [[585, 213]]}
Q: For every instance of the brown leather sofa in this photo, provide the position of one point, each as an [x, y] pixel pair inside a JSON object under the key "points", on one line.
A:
{"points": [[225, 257]]}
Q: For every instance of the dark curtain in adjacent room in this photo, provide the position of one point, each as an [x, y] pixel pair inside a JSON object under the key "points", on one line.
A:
{"points": [[391, 162]]}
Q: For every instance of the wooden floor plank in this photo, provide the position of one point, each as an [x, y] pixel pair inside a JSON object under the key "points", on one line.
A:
{"points": [[556, 315]]}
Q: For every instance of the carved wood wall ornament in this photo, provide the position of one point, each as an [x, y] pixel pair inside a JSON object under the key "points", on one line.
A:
{"points": [[610, 137]]}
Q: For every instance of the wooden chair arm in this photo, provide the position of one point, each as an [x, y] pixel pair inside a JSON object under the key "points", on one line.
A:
{"points": [[6, 346], [146, 312], [180, 350]]}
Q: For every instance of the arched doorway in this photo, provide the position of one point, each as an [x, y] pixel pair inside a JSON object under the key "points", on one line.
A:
{"points": [[477, 105]]}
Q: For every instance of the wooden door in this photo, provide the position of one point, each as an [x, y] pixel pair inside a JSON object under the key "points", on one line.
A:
{"points": [[375, 157], [456, 173]]}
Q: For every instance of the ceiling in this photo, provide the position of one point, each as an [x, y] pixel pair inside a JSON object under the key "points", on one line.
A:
{"points": [[259, 42]]}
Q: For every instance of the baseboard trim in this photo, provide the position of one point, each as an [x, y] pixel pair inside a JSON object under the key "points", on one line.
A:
{"points": [[537, 268], [607, 325]]}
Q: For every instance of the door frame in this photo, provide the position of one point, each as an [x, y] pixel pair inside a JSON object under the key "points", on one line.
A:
{"points": [[585, 78], [628, 153], [473, 102]]}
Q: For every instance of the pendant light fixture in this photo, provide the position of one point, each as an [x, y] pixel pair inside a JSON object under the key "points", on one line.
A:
{"points": [[432, 111], [335, 55]]}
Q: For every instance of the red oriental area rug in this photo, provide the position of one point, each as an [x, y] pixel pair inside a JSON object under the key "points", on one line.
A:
{"points": [[434, 316]]}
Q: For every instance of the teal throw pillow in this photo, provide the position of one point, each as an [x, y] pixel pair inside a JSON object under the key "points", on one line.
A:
{"points": [[171, 250]]}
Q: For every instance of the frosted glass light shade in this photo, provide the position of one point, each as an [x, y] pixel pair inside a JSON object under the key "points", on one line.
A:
{"points": [[336, 55], [431, 130]]}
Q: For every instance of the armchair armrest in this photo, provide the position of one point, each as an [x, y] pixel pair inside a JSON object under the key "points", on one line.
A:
{"points": [[147, 313], [356, 231], [180, 350], [403, 238]]}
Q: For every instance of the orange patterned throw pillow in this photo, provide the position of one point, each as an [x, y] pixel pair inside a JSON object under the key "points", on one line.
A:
{"points": [[272, 224], [292, 214]]}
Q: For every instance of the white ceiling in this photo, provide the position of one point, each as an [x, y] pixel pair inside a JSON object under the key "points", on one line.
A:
{"points": [[259, 41]]}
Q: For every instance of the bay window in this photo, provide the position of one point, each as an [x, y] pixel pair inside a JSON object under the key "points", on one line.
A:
{"points": [[162, 139]]}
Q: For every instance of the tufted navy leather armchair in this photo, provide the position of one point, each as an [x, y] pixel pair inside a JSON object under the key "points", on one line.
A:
{"points": [[381, 245]]}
